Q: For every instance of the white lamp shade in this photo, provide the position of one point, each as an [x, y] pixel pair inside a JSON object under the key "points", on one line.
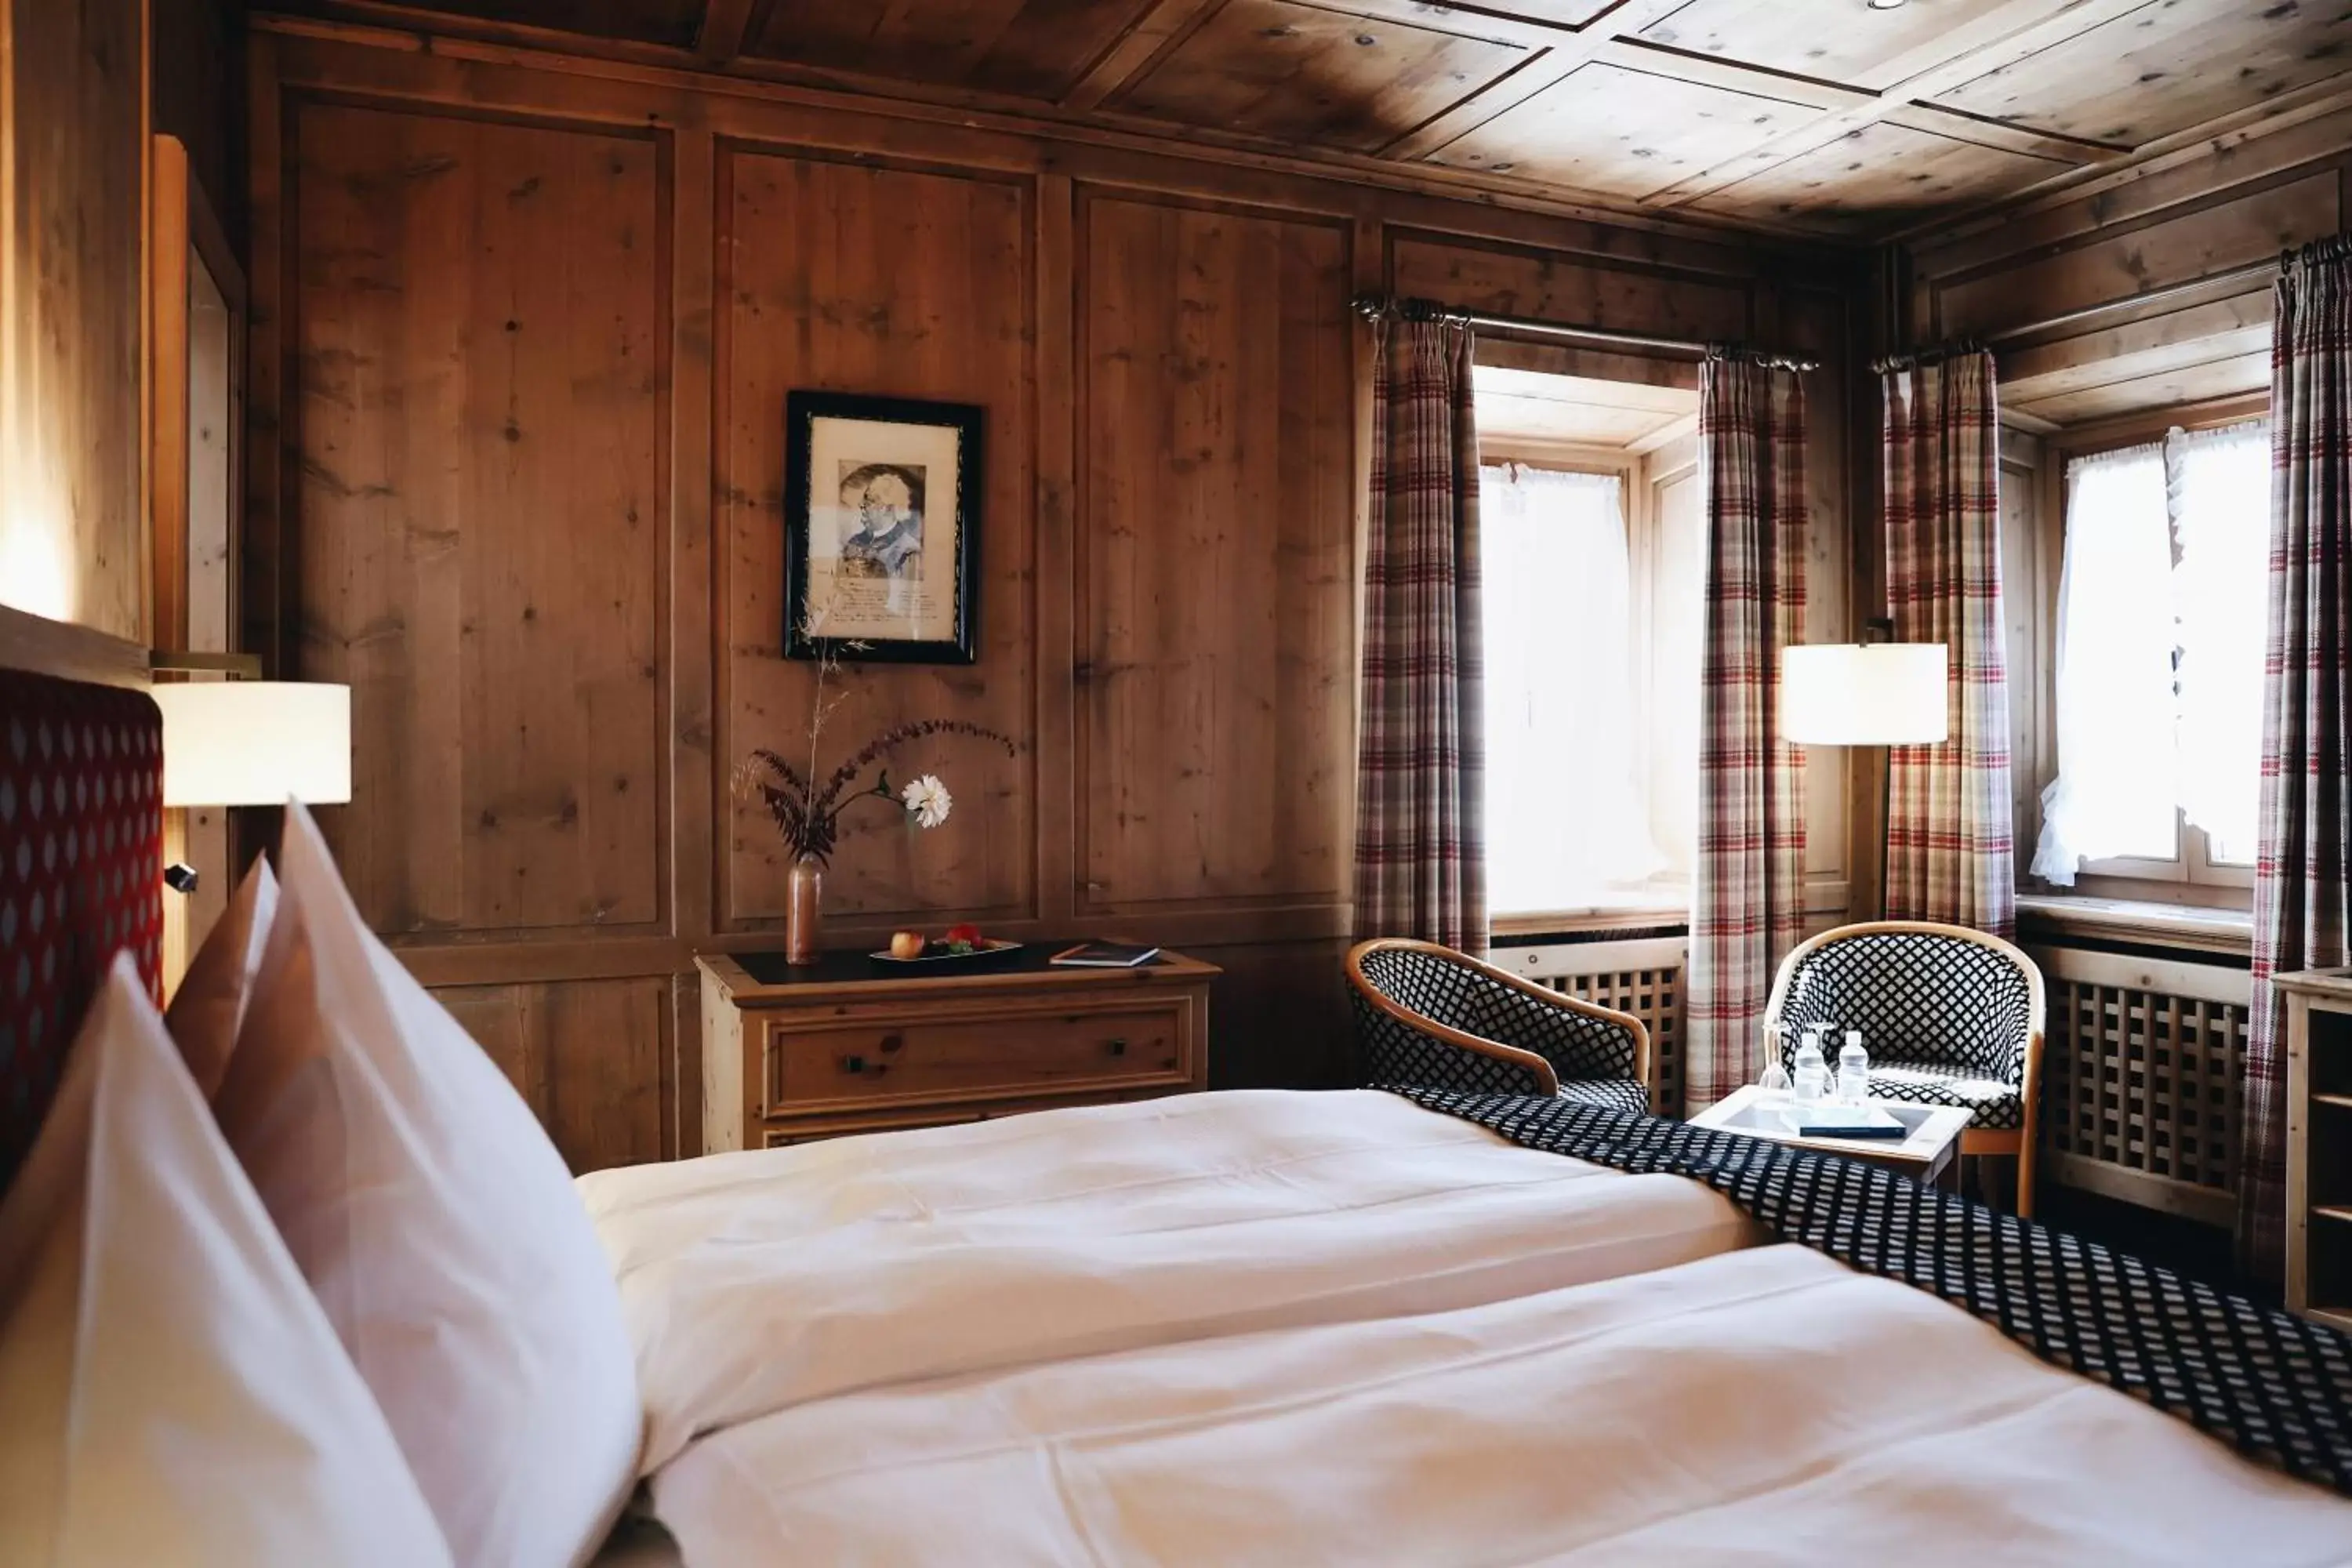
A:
{"points": [[1866, 694], [255, 743]]}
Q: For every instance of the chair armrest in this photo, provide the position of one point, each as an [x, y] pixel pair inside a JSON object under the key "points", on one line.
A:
{"points": [[1379, 1014]]}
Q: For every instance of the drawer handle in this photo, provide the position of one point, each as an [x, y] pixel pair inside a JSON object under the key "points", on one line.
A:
{"points": [[1119, 1045], [892, 1042]]}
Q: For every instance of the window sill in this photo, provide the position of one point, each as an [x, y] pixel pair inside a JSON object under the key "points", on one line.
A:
{"points": [[2186, 926], [1635, 913]]}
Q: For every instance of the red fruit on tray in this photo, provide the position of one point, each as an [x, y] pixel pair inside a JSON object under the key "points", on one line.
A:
{"points": [[961, 938]]}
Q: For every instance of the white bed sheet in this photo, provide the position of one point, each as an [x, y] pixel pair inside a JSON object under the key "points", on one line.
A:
{"points": [[1765, 1406], [756, 1282]]}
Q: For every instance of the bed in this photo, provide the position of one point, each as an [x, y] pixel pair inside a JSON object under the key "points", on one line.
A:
{"points": [[1361, 1327]]}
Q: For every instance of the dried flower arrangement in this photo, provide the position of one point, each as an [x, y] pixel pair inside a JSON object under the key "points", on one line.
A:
{"points": [[807, 810]]}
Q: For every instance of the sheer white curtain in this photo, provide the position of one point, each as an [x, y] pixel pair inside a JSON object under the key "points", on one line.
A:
{"points": [[1566, 821], [2221, 504], [2115, 792], [2161, 627]]}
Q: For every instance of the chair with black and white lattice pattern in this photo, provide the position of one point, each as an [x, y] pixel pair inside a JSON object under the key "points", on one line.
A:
{"points": [[1949, 1016], [1429, 1016]]}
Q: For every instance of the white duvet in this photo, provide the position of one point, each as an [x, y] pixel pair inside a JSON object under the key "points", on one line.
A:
{"points": [[1293, 1328], [758, 1281]]}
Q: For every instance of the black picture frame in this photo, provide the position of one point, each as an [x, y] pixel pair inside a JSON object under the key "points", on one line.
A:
{"points": [[802, 411]]}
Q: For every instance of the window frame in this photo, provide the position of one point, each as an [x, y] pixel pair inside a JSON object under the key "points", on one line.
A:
{"points": [[1659, 460], [2191, 875]]}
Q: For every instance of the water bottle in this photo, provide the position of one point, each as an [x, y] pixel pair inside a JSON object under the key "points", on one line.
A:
{"points": [[1853, 1070], [1812, 1071], [1772, 1086]]}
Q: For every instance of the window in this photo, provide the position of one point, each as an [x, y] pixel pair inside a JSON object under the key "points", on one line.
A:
{"points": [[2161, 631], [1592, 672]]}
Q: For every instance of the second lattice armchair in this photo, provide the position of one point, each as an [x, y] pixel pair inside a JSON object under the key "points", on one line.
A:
{"points": [[1429, 1016]]}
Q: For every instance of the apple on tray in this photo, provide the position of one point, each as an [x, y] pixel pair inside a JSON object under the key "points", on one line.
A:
{"points": [[907, 944]]}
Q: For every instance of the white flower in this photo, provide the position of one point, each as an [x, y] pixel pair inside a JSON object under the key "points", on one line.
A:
{"points": [[928, 800]]}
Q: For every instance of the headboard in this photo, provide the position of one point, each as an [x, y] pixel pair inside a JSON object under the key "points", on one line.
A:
{"points": [[81, 855]]}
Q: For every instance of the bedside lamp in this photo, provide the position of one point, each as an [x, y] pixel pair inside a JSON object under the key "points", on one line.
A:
{"points": [[1867, 694], [255, 743]]}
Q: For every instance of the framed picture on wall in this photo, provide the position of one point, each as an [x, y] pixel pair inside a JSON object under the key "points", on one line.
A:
{"points": [[881, 527]]}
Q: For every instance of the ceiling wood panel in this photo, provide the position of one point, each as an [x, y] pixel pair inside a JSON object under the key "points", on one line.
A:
{"points": [[669, 22], [1299, 72], [1806, 116], [1033, 48], [2164, 68], [1847, 42], [1621, 133], [1879, 172]]}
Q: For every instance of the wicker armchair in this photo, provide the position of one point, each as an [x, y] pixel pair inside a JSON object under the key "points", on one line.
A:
{"points": [[1429, 1016], [1949, 1015]]}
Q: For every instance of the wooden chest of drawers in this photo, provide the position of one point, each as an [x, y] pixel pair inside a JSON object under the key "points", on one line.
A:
{"points": [[793, 1055]]}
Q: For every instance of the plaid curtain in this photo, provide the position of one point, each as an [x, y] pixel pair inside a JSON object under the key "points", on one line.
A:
{"points": [[1748, 905], [1949, 853], [1420, 758], [2301, 894]]}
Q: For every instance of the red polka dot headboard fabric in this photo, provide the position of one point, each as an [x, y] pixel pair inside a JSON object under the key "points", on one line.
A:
{"points": [[82, 862]]}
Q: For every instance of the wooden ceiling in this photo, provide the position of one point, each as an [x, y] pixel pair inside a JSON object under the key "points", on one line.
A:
{"points": [[1826, 116]]}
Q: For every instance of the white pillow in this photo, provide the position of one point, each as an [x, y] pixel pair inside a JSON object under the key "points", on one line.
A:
{"points": [[173, 1393], [210, 1002], [439, 1227]]}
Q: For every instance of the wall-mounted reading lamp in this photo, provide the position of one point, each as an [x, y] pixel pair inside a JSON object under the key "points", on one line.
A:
{"points": [[244, 741]]}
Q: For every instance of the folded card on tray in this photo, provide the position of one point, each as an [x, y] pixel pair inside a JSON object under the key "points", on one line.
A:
{"points": [[1842, 1121]]}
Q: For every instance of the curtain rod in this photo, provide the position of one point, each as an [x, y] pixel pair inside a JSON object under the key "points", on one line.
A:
{"points": [[1935, 355], [1373, 308]]}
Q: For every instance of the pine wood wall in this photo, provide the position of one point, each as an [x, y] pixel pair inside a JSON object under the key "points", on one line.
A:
{"points": [[524, 327]]}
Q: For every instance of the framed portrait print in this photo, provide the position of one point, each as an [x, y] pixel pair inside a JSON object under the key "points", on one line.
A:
{"points": [[881, 527]]}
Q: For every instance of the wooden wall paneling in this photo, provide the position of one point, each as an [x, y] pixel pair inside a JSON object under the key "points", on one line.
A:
{"points": [[1279, 1015], [696, 651], [2026, 606], [1215, 365], [1582, 290], [271, 526], [483, 365], [910, 282], [1811, 322], [198, 72], [1057, 524], [73, 220], [2107, 266], [800, 239], [591, 1058]]}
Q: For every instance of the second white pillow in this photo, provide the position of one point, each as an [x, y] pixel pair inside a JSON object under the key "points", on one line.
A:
{"points": [[439, 1228]]}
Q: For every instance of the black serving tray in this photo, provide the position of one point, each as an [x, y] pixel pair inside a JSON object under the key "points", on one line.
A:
{"points": [[932, 962]]}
